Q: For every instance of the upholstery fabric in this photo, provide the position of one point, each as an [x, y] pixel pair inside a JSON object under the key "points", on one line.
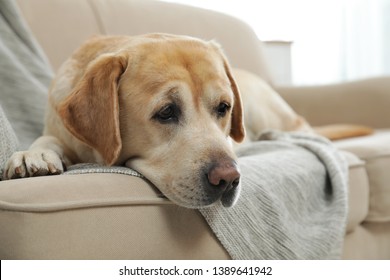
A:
{"points": [[98, 216], [374, 150]]}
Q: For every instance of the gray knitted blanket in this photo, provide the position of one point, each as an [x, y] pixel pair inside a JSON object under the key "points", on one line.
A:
{"points": [[293, 203], [8, 140], [294, 188], [25, 76]]}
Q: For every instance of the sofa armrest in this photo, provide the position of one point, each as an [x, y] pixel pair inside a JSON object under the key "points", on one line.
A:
{"points": [[364, 102], [99, 216]]}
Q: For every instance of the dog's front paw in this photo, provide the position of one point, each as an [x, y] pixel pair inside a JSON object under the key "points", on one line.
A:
{"points": [[37, 162]]}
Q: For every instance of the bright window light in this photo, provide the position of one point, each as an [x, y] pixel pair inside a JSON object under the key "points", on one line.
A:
{"points": [[333, 40]]}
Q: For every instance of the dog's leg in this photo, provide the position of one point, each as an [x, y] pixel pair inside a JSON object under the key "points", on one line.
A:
{"points": [[44, 157]]}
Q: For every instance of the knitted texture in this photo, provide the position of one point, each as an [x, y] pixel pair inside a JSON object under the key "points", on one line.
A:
{"points": [[25, 75], [8, 140], [85, 168], [293, 202]]}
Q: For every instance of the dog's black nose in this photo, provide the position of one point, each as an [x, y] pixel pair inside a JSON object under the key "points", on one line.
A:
{"points": [[224, 174]]}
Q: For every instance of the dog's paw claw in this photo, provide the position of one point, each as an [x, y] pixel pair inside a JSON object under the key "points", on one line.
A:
{"points": [[18, 171], [53, 170], [33, 169]]}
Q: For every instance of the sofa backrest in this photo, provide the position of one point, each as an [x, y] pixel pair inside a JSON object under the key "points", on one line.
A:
{"points": [[62, 25]]}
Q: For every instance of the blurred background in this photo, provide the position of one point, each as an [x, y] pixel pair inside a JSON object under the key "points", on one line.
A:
{"points": [[316, 41]]}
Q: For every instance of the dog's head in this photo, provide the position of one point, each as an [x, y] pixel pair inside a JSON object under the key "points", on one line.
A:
{"points": [[165, 106]]}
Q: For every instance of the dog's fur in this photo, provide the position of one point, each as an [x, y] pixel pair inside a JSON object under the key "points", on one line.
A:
{"points": [[164, 105]]}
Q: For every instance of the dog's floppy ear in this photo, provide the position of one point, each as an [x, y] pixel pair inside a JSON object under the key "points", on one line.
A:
{"points": [[91, 111], [237, 130]]}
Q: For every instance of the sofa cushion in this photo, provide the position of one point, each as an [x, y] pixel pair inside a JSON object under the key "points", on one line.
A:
{"points": [[374, 150]]}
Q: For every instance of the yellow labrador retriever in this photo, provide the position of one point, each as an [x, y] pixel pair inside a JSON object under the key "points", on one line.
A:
{"points": [[161, 104]]}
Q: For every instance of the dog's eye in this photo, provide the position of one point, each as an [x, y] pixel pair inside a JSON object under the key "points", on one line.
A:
{"points": [[222, 109], [167, 114]]}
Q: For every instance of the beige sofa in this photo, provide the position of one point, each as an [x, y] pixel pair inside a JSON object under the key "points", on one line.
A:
{"points": [[94, 216]]}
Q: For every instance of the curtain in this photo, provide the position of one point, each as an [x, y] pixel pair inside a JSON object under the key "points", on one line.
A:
{"points": [[366, 41]]}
